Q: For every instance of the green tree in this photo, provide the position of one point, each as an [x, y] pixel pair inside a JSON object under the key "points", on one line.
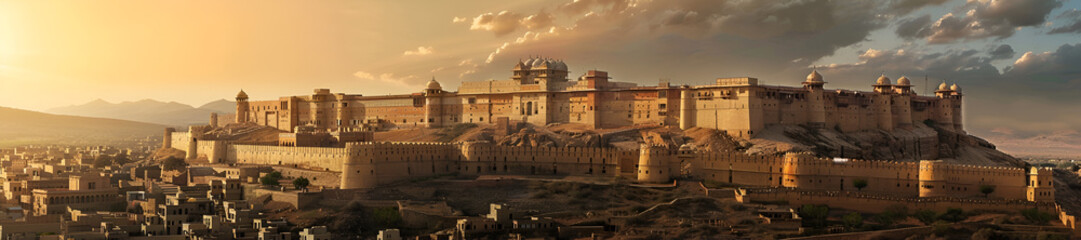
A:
{"points": [[987, 190], [173, 163], [814, 215], [1036, 216], [852, 220], [859, 184], [271, 179], [953, 215], [926, 216], [301, 183]]}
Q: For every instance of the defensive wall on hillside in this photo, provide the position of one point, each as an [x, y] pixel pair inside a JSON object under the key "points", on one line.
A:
{"points": [[371, 164]]}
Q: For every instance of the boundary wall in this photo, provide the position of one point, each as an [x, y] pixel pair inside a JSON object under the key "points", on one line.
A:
{"points": [[371, 164]]}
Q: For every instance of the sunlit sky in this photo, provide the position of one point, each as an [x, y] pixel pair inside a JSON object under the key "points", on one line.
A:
{"points": [[1018, 61]]}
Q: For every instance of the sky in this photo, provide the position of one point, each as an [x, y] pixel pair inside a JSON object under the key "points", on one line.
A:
{"points": [[1017, 61]]}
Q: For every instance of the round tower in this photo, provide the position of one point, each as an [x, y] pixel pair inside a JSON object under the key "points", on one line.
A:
{"points": [[193, 142], [944, 107], [167, 138], [345, 116], [902, 102], [242, 107], [653, 164], [358, 171], [686, 109], [881, 103], [932, 178], [791, 170], [214, 119], [816, 102], [433, 104], [957, 102]]}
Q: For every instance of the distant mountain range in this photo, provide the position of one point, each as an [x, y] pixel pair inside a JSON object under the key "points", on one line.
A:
{"points": [[1064, 144], [152, 111], [22, 127]]}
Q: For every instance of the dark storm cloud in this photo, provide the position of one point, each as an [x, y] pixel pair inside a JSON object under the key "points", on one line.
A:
{"points": [[981, 19], [1004, 51], [1054, 69], [906, 6], [1073, 25], [911, 28], [695, 39]]}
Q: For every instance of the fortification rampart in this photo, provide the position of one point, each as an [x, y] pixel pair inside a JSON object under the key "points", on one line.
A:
{"points": [[370, 164]]}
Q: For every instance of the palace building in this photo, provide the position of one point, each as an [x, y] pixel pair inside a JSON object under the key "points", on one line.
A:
{"points": [[539, 92]]}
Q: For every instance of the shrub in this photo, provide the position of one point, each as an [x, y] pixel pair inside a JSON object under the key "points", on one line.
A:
{"points": [[953, 215], [1036, 216], [271, 179], [173, 163], [814, 215], [987, 190], [301, 183], [926, 216], [859, 184], [852, 220]]}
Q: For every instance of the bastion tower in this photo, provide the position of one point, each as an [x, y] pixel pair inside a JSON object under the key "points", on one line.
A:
{"points": [[880, 103], [956, 101], [433, 107], [944, 108], [653, 164], [241, 107], [902, 102], [816, 102], [932, 178], [358, 170], [686, 108]]}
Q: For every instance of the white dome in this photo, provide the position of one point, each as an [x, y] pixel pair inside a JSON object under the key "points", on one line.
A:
{"points": [[943, 87], [955, 88], [529, 63]]}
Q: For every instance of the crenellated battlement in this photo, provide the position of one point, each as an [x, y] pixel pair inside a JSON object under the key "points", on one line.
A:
{"points": [[370, 164]]}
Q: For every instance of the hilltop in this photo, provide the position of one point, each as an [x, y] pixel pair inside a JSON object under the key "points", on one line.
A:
{"points": [[20, 127]]}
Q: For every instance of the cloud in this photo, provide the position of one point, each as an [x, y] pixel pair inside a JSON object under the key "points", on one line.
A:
{"points": [[676, 39], [906, 6], [500, 23], [410, 81], [506, 22], [459, 19], [979, 19], [1073, 16], [422, 50], [911, 28], [1058, 67], [1004, 51]]}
